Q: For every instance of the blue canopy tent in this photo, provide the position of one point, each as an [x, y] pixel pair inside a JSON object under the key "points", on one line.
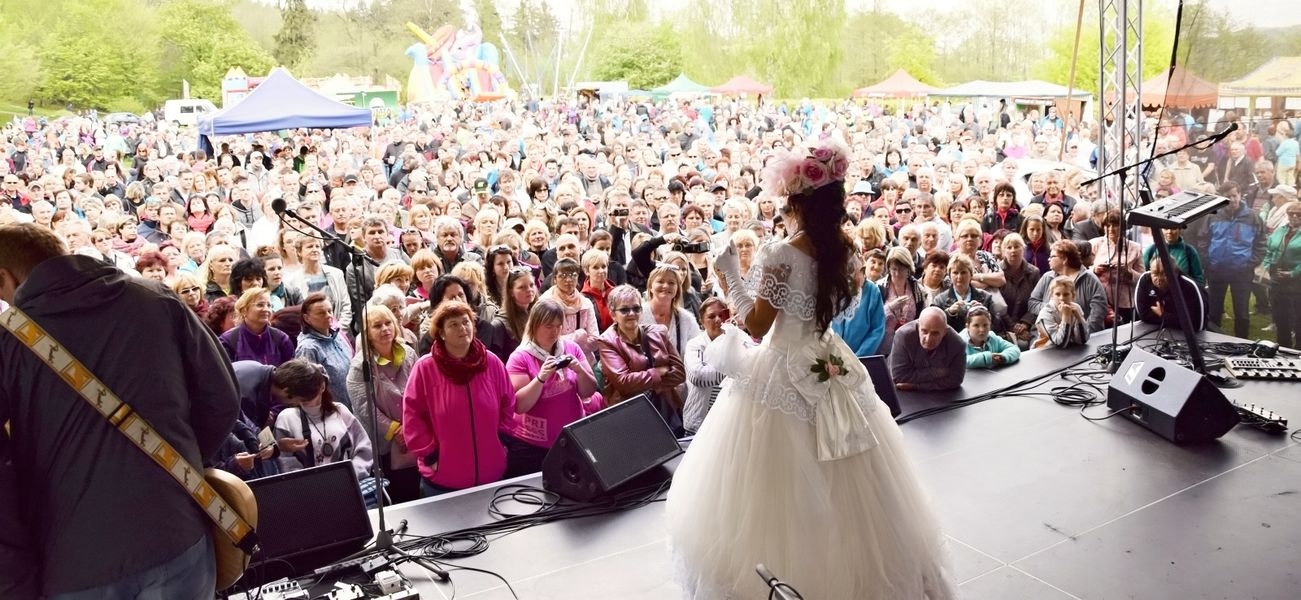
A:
{"points": [[281, 102]]}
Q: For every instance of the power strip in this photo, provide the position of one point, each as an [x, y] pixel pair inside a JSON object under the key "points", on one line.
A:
{"points": [[409, 593], [283, 589]]}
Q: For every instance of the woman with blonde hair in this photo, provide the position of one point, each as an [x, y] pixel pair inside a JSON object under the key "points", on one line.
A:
{"points": [[316, 276], [554, 386], [215, 271], [398, 274], [537, 236], [391, 362], [253, 337], [663, 305], [190, 290]]}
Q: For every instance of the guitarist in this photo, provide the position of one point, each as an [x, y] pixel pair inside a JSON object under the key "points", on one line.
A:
{"points": [[83, 512]]}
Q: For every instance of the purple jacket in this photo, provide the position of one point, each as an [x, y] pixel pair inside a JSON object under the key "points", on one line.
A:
{"points": [[271, 347]]}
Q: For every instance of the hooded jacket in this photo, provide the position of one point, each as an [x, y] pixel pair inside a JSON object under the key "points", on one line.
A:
{"points": [[79, 520]]}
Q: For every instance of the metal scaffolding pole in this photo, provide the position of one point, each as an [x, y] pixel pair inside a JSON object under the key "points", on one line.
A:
{"points": [[1120, 124]]}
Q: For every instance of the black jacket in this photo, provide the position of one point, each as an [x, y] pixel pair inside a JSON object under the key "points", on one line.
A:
{"points": [[81, 520]]}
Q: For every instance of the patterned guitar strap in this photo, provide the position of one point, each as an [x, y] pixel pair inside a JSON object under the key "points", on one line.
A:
{"points": [[133, 426]]}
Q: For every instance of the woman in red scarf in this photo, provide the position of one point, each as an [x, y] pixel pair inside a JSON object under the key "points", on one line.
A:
{"points": [[596, 266], [458, 398]]}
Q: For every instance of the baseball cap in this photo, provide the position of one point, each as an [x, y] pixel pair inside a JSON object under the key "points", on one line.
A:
{"points": [[515, 223], [862, 187], [480, 185], [717, 186], [1284, 190], [350, 178]]}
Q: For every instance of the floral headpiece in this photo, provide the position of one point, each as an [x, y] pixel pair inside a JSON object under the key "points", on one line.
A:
{"points": [[791, 173]]}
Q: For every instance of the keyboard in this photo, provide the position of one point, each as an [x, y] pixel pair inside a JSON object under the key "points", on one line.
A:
{"points": [[1177, 211]]}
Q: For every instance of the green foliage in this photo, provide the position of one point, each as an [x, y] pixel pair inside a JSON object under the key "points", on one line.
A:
{"points": [[1158, 37], [87, 65], [296, 39], [202, 42], [533, 32], [19, 63], [794, 45], [645, 57], [1216, 48]]}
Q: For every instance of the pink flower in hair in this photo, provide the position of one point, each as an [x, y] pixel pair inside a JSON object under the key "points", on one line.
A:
{"points": [[816, 173], [823, 153], [839, 167]]}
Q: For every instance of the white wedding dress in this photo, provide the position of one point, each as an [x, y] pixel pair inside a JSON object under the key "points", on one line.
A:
{"points": [[751, 488]]}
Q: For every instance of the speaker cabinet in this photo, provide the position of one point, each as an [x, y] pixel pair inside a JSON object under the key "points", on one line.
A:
{"points": [[309, 518], [597, 454], [1177, 403]]}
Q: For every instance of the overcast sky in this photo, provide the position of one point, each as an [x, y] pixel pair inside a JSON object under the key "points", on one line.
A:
{"points": [[1261, 13]]}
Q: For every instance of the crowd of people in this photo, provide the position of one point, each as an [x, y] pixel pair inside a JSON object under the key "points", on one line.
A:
{"points": [[501, 271], [522, 265]]}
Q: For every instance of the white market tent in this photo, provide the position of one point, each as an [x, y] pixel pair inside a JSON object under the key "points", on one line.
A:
{"points": [[1032, 89]]}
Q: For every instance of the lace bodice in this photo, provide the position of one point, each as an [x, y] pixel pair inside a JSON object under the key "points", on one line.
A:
{"points": [[787, 278]]}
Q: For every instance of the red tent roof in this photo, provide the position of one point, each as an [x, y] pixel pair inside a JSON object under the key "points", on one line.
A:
{"points": [[898, 85], [1182, 89], [742, 85]]}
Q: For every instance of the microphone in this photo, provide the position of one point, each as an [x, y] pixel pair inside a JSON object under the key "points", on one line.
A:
{"points": [[1223, 134], [278, 205]]}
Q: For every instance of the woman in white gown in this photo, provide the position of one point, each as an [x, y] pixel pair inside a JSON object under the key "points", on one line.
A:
{"points": [[799, 466]]}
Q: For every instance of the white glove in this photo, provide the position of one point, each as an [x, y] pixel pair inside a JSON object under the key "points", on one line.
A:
{"points": [[728, 266]]}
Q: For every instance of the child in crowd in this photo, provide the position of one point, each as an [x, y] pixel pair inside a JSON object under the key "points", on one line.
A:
{"points": [[985, 349], [1061, 321]]}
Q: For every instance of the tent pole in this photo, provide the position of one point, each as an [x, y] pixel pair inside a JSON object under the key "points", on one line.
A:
{"points": [[581, 54], [524, 81]]}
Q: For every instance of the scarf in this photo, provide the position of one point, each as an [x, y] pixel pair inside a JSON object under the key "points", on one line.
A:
{"points": [[459, 370], [572, 301], [539, 352]]}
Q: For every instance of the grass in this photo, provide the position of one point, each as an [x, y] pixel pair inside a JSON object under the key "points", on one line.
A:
{"points": [[1259, 320], [9, 111]]}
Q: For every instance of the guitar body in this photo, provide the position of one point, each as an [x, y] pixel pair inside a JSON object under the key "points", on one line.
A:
{"points": [[231, 561]]}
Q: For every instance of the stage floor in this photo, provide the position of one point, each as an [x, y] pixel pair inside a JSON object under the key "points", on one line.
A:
{"points": [[1037, 503]]}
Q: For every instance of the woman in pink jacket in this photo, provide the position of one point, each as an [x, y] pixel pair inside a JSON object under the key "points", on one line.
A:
{"points": [[458, 399]]}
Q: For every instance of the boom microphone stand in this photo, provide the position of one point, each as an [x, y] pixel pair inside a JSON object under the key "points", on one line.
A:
{"points": [[1158, 240], [384, 545]]}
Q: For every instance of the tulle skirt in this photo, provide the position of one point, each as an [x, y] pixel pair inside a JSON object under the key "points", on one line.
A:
{"points": [[751, 490]]}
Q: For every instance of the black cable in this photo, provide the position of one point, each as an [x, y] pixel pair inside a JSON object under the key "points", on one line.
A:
{"points": [[1012, 389], [1109, 415]]}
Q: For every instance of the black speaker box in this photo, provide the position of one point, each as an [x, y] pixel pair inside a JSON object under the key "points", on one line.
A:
{"points": [[308, 519], [1177, 403], [597, 454]]}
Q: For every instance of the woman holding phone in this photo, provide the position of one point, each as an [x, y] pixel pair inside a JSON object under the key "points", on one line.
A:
{"points": [[554, 386]]}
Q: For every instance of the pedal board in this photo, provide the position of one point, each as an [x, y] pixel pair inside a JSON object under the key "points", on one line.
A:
{"points": [[1268, 369], [1262, 418]]}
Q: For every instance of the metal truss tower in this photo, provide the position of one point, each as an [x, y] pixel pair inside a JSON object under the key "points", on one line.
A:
{"points": [[1120, 125]]}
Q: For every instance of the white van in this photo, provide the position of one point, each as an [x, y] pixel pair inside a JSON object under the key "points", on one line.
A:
{"points": [[186, 112]]}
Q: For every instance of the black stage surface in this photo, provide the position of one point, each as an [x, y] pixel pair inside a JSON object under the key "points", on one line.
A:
{"points": [[1038, 503]]}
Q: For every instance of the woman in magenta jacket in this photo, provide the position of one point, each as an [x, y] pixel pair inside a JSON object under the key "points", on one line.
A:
{"points": [[458, 399]]}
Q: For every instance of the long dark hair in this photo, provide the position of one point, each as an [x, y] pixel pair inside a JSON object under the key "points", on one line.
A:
{"points": [[821, 211], [301, 378]]}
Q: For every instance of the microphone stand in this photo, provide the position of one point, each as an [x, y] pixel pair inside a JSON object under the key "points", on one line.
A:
{"points": [[1167, 263], [384, 545]]}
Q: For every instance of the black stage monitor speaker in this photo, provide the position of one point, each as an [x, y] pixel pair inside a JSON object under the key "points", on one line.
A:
{"points": [[1177, 403], [598, 453], [309, 519]]}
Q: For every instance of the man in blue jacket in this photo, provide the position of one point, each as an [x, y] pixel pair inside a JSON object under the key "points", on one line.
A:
{"points": [[1235, 246]]}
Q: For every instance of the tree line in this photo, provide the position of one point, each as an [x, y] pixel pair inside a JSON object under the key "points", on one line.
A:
{"points": [[133, 54]]}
